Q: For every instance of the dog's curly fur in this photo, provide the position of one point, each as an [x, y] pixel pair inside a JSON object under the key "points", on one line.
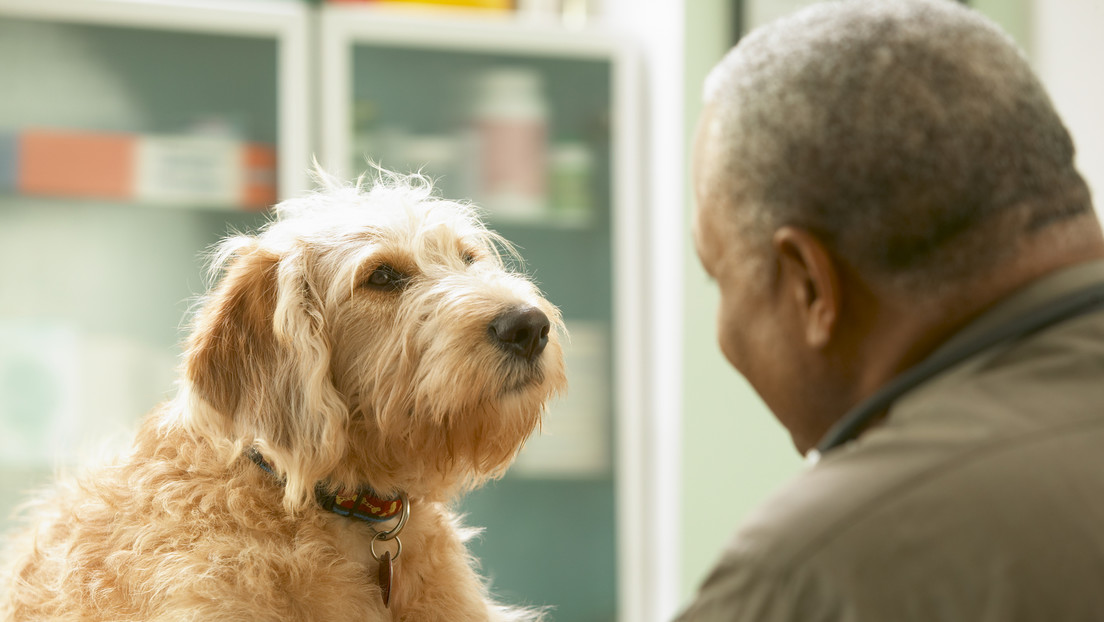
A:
{"points": [[336, 377]]}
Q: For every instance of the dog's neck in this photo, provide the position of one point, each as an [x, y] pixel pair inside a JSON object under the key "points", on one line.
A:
{"points": [[362, 504]]}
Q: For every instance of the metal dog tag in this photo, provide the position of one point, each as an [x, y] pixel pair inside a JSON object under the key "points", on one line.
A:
{"points": [[386, 577]]}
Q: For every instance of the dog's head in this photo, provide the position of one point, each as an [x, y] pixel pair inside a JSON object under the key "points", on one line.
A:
{"points": [[373, 337]]}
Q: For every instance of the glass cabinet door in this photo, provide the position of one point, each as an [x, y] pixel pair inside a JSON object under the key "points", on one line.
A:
{"points": [[132, 137], [520, 124]]}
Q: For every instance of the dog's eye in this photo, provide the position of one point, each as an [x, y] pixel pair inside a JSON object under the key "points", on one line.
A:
{"points": [[469, 258], [386, 278]]}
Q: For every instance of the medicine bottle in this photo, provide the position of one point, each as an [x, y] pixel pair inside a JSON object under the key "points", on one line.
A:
{"points": [[510, 119]]}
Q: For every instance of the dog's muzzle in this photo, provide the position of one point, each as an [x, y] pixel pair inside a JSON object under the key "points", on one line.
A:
{"points": [[521, 331]]}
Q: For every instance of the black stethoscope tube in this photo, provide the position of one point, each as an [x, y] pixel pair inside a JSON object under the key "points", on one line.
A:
{"points": [[1069, 306]]}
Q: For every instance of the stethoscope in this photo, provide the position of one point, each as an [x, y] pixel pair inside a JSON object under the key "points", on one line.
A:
{"points": [[851, 424]]}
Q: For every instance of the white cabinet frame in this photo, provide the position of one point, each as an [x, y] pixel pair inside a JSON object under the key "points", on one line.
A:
{"points": [[286, 23], [639, 559], [314, 95]]}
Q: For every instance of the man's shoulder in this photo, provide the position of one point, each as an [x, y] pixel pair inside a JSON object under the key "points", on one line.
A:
{"points": [[980, 479], [963, 484], [1036, 396], [817, 506], [969, 518], [782, 558]]}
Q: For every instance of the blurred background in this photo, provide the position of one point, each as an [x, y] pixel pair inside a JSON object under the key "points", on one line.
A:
{"points": [[134, 134]]}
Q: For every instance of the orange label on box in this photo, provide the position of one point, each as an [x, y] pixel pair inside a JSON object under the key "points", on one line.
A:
{"points": [[498, 5], [82, 164], [259, 167]]}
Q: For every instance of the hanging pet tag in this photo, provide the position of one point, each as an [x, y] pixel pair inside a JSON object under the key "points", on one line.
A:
{"points": [[387, 572], [386, 577]]}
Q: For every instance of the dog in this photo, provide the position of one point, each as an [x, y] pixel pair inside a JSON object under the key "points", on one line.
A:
{"points": [[363, 360]]}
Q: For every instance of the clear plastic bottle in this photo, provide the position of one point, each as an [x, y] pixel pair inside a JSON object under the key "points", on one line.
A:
{"points": [[571, 182], [510, 120]]}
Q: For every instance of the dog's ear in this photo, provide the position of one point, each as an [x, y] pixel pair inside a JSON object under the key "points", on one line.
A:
{"points": [[260, 360], [233, 347], [316, 416]]}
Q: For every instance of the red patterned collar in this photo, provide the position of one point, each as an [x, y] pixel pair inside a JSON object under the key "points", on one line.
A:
{"points": [[362, 504]]}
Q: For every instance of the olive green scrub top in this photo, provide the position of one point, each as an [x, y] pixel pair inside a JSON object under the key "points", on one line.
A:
{"points": [[979, 498]]}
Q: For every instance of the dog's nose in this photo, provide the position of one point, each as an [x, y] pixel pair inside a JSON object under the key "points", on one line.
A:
{"points": [[522, 331]]}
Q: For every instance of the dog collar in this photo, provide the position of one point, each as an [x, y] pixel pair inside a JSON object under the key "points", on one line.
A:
{"points": [[363, 504], [366, 505]]}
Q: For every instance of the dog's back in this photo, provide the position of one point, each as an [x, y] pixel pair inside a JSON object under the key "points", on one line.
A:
{"points": [[172, 533]]}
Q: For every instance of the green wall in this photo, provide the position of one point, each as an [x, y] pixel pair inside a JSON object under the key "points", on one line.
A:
{"points": [[733, 451], [1014, 16]]}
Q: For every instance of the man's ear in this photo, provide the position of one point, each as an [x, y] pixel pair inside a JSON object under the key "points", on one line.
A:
{"points": [[810, 276]]}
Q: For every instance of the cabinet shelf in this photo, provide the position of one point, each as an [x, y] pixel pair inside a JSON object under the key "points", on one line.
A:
{"points": [[101, 113], [391, 76], [129, 265], [201, 63]]}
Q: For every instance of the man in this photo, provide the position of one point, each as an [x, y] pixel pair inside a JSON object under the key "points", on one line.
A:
{"points": [[879, 183]]}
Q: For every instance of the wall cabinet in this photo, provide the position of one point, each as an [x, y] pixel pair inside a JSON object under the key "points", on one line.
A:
{"points": [[132, 137], [135, 134], [530, 124]]}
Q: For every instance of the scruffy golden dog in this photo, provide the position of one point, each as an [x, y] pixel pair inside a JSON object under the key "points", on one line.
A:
{"points": [[367, 352]]}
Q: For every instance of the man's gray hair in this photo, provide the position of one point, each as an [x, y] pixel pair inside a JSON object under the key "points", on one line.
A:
{"points": [[910, 135]]}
